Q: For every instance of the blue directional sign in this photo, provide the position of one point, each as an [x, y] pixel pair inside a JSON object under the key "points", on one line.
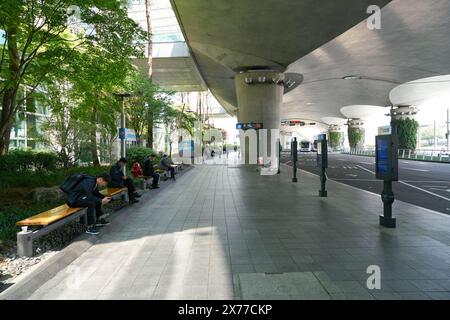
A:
{"points": [[250, 125], [382, 157], [122, 133], [386, 160]]}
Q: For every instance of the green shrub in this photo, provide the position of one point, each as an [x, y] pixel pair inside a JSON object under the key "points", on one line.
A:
{"points": [[335, 140], [138, 154], [28, 161], [9, 216], [355, 137], [44, 179], [407, 133]]}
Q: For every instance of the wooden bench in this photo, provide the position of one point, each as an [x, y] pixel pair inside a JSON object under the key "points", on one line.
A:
{"points": [[43, 223], [116, 193]]}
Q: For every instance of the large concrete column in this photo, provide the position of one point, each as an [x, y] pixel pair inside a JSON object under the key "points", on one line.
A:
{"points": [[399, 114], [356, 126], [404, 112], [259, 97], [335, 130]]}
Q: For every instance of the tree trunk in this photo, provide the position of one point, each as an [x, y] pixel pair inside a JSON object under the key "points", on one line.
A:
{"points": [[150, 129], [9, 101], [7, 119], [94, 146], [148, 4]]}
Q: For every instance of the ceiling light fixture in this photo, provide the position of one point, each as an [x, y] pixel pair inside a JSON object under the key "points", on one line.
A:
{"points": [[352, 77]]}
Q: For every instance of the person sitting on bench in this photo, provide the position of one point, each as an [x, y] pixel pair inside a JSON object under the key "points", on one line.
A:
{"points": [[120, 180], [136, 170], [165, 164], [86, 194], [149, 171]]}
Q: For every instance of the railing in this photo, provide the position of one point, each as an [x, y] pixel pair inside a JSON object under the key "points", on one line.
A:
{"points": [[418, 154]]}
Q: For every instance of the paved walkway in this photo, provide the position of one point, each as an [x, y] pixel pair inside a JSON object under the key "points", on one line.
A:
{"points": [[229, 233]]}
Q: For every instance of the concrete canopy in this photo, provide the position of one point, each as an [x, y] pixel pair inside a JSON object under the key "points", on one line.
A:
{"points": [[321, 39], [226, 35], [416, 92]]}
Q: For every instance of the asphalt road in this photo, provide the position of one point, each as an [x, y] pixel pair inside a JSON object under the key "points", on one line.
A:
{"points": [[425, 184]]}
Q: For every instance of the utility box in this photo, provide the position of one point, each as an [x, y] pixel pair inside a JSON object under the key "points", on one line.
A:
{"points": [[386, 159]]}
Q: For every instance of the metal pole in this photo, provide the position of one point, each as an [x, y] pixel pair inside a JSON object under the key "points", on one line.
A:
{"points": [[388, 199], [294, 155], [435, 138], [122, 125], [448, 129], [323, 178], [279, 156]]}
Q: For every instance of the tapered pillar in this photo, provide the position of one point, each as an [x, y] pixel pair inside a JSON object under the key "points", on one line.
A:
{"points": [[259, 97]]}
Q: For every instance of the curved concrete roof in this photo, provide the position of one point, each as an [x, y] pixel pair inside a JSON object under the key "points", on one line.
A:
{"points": [[224, 35], [418, 91], [323, 40]]}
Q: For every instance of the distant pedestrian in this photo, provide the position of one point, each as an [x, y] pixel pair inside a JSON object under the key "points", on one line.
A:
{"points": [[149, 171]]}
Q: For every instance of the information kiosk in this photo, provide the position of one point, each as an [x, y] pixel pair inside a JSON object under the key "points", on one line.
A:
{"points": [[386, 167]]}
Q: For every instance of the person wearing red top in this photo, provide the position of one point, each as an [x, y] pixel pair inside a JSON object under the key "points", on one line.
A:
{"points": [[136, 170]]}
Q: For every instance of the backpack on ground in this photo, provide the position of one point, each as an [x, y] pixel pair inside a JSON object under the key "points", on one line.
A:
{"points": [[71, 182]]}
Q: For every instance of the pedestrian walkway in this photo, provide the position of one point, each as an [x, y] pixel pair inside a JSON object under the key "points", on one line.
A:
{"points": [[229, 233]]}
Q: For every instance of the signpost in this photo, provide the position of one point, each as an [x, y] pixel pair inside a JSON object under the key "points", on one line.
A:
{"points": [[386, 167], [294, 157], [322, 162], [247, 126]]}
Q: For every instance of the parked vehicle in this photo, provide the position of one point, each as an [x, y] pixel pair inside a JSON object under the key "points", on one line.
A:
{"points": [[305, 146]]}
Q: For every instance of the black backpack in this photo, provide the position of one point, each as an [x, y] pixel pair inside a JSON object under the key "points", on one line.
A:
{"points": [[71, 182]]}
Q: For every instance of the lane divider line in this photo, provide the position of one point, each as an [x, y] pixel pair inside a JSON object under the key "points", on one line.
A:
{"points": [[410, 185]]}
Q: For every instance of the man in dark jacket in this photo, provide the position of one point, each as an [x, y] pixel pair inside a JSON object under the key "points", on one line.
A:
{"points": [[149, 171], [86, 194], [166, 164], [120, 180]]}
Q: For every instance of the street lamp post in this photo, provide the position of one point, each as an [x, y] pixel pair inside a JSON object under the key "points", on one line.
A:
{"points": [[122, 134]]}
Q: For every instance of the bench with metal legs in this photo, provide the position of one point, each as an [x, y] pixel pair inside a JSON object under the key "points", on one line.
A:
{"points": [[41, 224]]}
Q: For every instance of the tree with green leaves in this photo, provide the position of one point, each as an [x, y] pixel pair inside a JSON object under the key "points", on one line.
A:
{"points": [[39, 38], [177, 120], [64, 129]]}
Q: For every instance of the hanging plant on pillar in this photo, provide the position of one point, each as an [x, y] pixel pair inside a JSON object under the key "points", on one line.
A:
{"points": [[355, 137], [407, 133], [335, 140]]}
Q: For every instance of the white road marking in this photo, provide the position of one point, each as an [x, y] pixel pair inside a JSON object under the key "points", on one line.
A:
{"points": [[424, 181], [370, 180], [362, 168], [351, 175], [366, 162], [421, 170], [410, 185], [448, 190], [440, 187], [426, 191]]}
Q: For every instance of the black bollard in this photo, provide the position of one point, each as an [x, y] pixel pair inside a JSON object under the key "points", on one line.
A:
{"points": [[294, 157], [322, 163]]}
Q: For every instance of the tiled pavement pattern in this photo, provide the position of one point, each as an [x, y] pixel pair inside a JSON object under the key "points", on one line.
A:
{"points": [[229, 233]]}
